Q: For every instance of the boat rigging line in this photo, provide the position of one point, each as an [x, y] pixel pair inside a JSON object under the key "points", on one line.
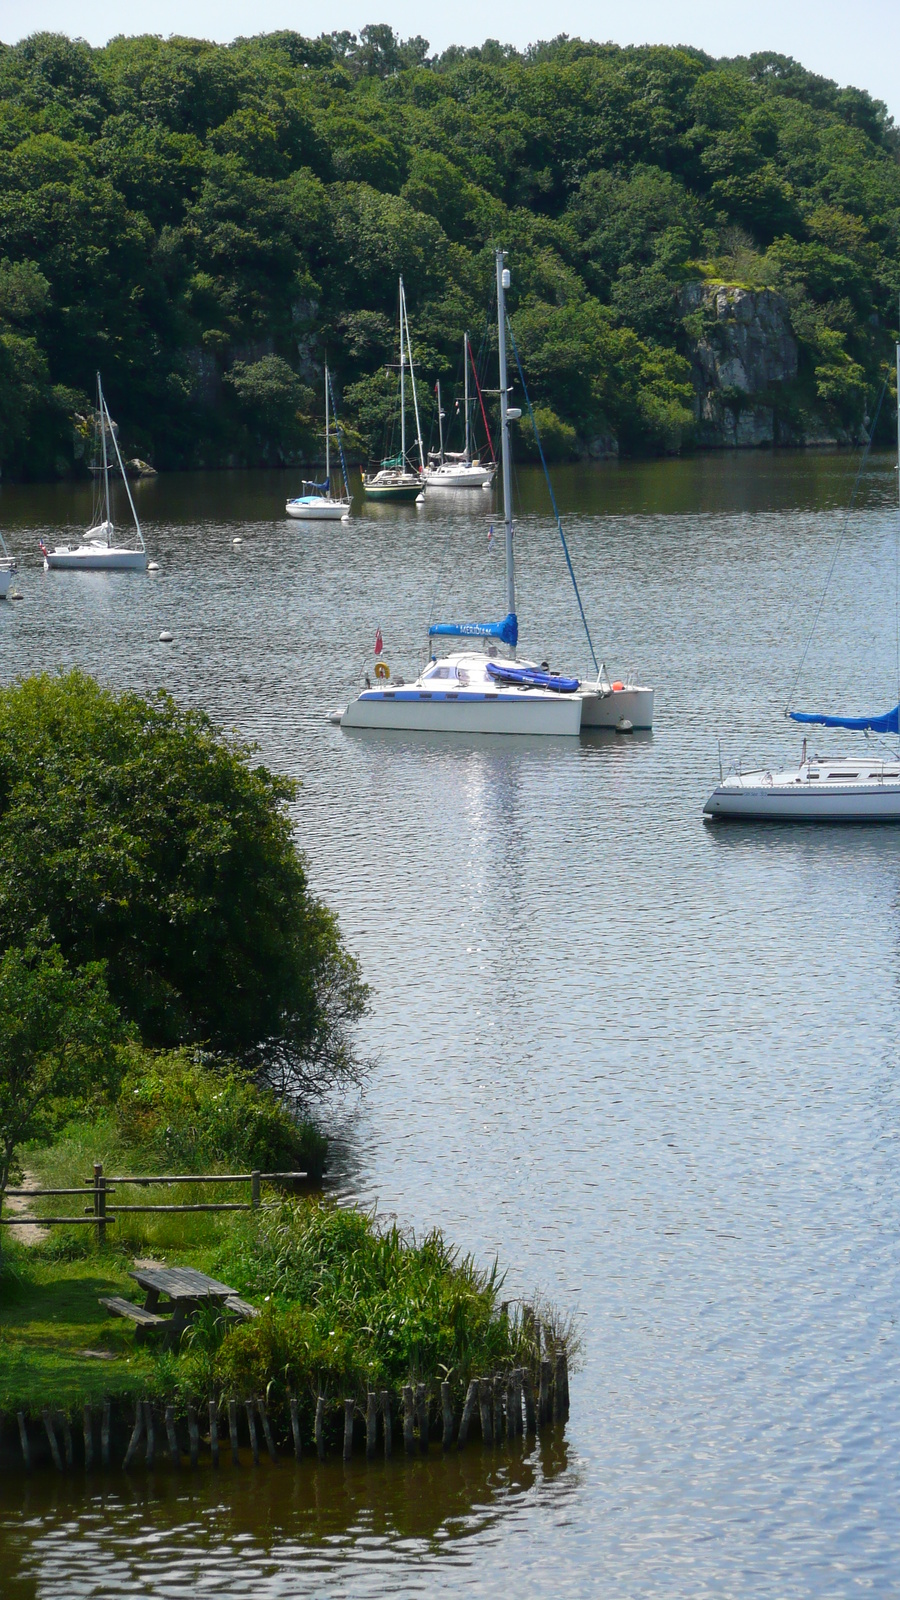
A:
{"points": [[836, 553], [559, 526]]}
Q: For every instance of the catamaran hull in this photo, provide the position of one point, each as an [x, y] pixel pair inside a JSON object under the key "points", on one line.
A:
{"points": [[523, 713], [6, 577], [96, 560], [857, 803], [611, 708], [324, 511]]}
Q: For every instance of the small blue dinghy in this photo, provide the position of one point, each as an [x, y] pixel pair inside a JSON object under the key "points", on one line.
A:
{"points": [[531, 677]]}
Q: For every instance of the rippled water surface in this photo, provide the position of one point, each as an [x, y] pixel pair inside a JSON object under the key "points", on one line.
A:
{"points": [[649, 1063]]}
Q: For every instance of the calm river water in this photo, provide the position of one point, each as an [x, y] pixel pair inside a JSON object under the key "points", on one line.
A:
{"points": [[650, 1063]]}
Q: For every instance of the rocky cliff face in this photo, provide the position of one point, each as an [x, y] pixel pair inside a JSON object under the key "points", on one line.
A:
{"points": [[743, 352]]}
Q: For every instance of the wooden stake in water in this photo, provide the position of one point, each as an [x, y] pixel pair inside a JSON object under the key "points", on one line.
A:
{"points": [[51, 1436], [87, 1422], [250, 1409], [447, 1416], [545, 1412], [484, 1406], [371, 1425], [409, 1420], [233, 1432], [104, 1433], [422, 1417], [151, 1436], [348, 1429], [136, 1432], [498, 1408], [320, 1427], [67, 1441], [530, 1414], [388, 1425], [23, 1440], [511, 1429], [213, 1412], [559, 1388], [266, 1428], [172, 1437], [468, 1412], [193, 1435], [295, 1428]]}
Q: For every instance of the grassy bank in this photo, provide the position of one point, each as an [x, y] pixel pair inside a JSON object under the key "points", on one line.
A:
{"points": [[346, 1306]]}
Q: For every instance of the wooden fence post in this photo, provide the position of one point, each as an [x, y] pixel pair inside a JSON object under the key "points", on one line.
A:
{"points": [[100, 1202], [447, 1414], [468, 1413], [371, 1425], [409, 1418], [386, 1414], [254, 1190], [214, 1432], [320, 1427], [295, 1428]]}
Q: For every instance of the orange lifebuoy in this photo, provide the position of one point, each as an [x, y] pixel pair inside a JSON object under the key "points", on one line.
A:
{"points": [[382, 670], [617, 686]]}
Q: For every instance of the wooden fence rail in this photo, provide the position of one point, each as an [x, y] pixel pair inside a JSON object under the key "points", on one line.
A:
{"points": [[101, 1186]]}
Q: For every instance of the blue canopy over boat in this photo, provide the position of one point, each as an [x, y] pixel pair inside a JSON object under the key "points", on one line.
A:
{"points": [[506, 631], [531, 677], [888, 723]]}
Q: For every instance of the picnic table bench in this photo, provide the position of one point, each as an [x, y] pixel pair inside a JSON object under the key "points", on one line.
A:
{"points": [[186, 1292]]}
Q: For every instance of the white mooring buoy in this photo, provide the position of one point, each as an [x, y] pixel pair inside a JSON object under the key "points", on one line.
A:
{"points": [[237, 541], [152, 566], [165, 638], [624, 726]]}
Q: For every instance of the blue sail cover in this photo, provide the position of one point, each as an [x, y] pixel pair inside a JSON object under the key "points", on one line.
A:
{"points": [[506, 631], [309, 484], [530, 677], [889, 723]]}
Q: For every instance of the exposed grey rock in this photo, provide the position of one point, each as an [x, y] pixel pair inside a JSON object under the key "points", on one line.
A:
{"points": [[745, 350]]}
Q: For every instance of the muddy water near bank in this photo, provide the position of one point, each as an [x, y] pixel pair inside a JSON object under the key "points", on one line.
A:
{"points": [[649, 1063]]}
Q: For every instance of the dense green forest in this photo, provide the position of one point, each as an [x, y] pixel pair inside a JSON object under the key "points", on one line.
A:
{"points": [[203, 222]]}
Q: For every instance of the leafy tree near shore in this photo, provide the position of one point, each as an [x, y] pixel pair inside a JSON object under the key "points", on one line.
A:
{"points": [[186, 214], [58, 1032], [145, 839]]}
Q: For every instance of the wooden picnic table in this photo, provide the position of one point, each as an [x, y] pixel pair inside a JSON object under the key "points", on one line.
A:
{"points": [[186, 1291]]}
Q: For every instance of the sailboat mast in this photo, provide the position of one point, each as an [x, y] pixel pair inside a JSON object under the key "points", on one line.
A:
{"points": [[327, 436], [466, 379], [402, 385], [440, 421], [101, 407], [898, 418], [412, 379], [506, 470]]}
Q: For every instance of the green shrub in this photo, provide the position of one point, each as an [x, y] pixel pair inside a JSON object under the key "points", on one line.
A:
{"points": [[185, 1112]]}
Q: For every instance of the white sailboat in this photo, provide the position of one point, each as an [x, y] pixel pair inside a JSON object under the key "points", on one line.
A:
{"points": [[456, 469], [8, 569], [396, 479], [324, 507], [478, 690], [99, 550], [821, 788]]}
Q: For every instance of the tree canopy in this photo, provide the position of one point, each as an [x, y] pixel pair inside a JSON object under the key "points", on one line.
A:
{"points": [[143, 839], [204, 221]]}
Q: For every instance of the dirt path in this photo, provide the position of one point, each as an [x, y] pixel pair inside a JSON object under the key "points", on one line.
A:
{"points": [[26, 1233]]}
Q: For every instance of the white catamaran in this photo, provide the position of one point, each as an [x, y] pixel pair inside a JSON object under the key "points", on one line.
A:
{"points": [[396, 479], [477, 690], [822, 788], [449, 469], [324, 506], [99, 550]]}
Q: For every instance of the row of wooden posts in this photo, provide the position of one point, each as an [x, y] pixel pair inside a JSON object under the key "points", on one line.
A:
{"points": [[503, 1408]]}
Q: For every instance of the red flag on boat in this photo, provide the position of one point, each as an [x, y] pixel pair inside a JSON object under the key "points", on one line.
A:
{"points": [[379, 642]]}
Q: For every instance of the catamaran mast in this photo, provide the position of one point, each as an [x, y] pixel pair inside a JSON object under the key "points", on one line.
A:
{"points": [[327, 438], [466, 378], [101, 407], [440, 421], [502, 286]]}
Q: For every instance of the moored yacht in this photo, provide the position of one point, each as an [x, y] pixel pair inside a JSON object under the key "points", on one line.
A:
{"points": [[323, 506], [395, 478], [449, 469], [100, 550], [475, 688], [820, 789]]}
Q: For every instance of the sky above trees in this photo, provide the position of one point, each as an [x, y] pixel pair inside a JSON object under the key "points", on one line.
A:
{"points": [[852, 44]]}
